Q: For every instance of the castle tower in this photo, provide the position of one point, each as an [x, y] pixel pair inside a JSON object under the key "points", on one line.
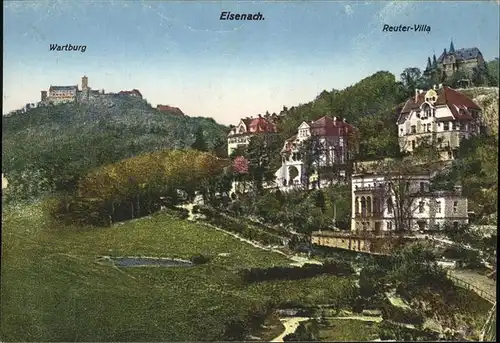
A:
{"points": [[452, 48], [85, 83], [44, 96]]}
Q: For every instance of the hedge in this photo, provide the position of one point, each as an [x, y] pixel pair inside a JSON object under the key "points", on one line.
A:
{"points": [[391, 331], [177, 212], [401, 315], [236, 226], [339, 268]]}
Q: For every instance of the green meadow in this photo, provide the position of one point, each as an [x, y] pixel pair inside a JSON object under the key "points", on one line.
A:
{"points": [[53, 289]]}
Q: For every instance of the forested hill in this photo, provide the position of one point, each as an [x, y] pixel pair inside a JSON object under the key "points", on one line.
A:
{"points": [[57, 144], [371, 105]]}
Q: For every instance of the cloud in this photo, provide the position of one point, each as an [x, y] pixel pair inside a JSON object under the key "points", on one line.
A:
{"points": [[394, 9], [349, 11]]}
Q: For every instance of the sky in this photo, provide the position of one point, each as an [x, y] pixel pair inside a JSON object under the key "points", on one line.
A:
{"points": [[181, 53]]}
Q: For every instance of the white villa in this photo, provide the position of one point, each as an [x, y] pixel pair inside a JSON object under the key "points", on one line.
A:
{"points": [[442, 115], [374, 203], [247, 128], [331, 137]]}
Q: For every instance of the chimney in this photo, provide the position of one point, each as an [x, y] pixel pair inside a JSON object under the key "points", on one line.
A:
{"points": [[343, 120], [440, 86], [416, 95], [458, 189], [434, 87]]}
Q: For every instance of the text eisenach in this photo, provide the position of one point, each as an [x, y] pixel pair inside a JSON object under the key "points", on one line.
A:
{"points": [[232, 16]]}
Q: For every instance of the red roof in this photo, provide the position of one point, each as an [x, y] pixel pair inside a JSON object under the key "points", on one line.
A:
{"points": [[171, 109], [259, 124], [326, 126], [458, 103]]}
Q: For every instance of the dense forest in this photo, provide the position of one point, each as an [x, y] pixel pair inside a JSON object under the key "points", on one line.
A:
{"points": [[50, 148]]}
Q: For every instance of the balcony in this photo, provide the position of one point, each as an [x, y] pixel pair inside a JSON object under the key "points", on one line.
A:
{"points": [[368, 189], [378, 214]]}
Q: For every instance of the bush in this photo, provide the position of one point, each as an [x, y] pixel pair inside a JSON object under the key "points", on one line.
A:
{"points": [[237, 226], [391, 331], [177, 212], [402, 315], [200, 259], [295, 273]]}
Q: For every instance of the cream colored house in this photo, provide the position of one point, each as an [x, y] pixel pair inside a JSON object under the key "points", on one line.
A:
{"points": [[375, 205], [442, 116]]}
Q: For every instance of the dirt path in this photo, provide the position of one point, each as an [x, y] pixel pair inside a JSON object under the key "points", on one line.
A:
{"points": [[298, 261], [290, 324]]}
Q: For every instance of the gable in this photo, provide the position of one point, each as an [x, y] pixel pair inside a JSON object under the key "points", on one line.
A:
{"points": [[241, 127], [303, 126]]}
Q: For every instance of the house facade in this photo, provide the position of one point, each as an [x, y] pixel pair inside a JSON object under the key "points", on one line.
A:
{"points": [[378, 205], [442, 116], [240, 135], [330, 140]]}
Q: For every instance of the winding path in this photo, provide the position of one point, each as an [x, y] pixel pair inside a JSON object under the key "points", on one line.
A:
{"points": [[298, 261], [290, 324]]}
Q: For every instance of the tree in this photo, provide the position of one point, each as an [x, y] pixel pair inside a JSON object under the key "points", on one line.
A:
{"points": [[199, 141], [398, 192], [493, 72], [261, 155], [411, 79], [310, 152]]}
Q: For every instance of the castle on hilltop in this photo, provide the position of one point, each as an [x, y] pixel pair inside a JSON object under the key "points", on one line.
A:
{"points": [[452, 61], [64, 94]]}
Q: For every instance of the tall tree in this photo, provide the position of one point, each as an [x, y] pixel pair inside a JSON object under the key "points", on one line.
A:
{"points": [[199, 141], [411, 79]]}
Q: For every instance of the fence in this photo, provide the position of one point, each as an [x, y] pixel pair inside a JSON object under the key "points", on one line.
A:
{"points": [[464, 284]]}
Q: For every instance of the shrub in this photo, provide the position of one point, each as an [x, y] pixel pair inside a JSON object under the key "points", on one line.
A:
{"points": [[177, 212], [200, 259], [402, 315], [296, 273]]}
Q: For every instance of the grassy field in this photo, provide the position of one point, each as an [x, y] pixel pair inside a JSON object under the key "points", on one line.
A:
{"points": [[52, 289], [347, 330]]}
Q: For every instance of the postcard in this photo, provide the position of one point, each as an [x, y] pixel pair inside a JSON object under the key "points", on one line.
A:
{"points": [[274, 171]]}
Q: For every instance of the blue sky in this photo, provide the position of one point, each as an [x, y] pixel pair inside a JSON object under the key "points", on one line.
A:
{"points": [[181, 54]]}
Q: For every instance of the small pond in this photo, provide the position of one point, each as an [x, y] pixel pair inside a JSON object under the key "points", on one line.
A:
{"points": [[146, 262]]}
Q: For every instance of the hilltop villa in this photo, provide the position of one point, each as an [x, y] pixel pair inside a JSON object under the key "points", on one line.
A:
{"points": [[375, 206], [240, 135], [332, 143], [452, 61], [441, 115]]}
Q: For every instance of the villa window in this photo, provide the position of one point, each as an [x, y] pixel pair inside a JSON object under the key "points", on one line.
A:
{"points": [[455, 206], [422, 187], [438, 206], [455, 126], [413, 129], [421, 207], [433, 112], [390, 207], [412, 145], [446, 126]]}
